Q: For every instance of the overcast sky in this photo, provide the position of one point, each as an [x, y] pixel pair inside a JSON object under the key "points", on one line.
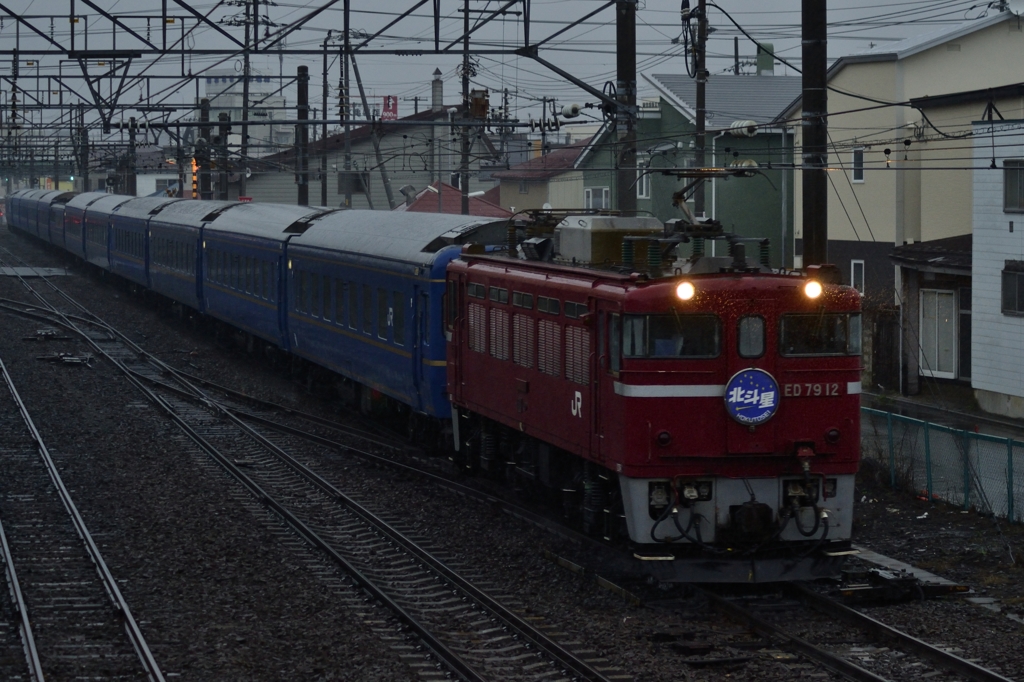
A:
{"points": [[587, 50]]}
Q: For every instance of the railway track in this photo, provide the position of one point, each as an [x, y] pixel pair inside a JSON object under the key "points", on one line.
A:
{"points": [[872, 652], [877, 654], [66, 609], [465, 629]]}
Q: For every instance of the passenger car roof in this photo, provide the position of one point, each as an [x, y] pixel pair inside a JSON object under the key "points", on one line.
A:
{"points": [[143, 207], [401, 236], [269, 221], [83, 200], [191, 213]]}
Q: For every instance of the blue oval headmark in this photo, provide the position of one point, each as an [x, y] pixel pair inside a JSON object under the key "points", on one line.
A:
{"points": [[751, 397]]}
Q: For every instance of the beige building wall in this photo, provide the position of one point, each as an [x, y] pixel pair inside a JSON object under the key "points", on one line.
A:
{"points": [[566, 190], [921, 191], [514, 200]]}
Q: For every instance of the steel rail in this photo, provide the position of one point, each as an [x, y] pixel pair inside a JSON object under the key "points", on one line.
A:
{"points": [[948, 660], [120, 604], [27, 639], [835, 663], [520, 625], [518, 511], [443, 653], [440, 650]]}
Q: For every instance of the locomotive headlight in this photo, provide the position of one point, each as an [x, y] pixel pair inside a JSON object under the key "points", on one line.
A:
{"points": [[685, 291], [812, 289]]}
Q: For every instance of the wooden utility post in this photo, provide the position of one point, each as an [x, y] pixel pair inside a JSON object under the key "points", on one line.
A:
{"points": [[700, 139], [815, 132], [346, 109], [203, 152], [625, 94], [302, 136], [243, 150], [464, 165]]}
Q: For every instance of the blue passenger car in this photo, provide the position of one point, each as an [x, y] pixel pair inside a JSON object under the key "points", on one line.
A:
{"points": [[74, 221], [55, 231], [12, 209], [129, 235], [365, 297], [243, 266], [175, 253], [96, 226], [25, 211]]}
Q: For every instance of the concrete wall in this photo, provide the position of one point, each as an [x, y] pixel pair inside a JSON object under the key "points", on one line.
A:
{"points": [[997, 346]]}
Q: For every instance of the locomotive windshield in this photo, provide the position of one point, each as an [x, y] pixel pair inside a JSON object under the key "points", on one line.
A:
{"points": [[671, 336], [820, 334]]}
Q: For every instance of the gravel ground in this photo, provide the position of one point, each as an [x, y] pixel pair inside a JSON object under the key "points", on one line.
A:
{"points": [[209, 584]]}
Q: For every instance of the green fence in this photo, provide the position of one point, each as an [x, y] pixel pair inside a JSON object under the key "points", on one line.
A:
{"points": [[964, 468]]}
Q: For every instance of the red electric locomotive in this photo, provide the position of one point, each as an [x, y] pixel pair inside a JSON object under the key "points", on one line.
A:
{"points": [[706, 409]]}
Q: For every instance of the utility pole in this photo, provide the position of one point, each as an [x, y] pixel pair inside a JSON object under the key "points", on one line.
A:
{"points": [[179, 159], [700, 141], [243, 151], [224, 130], [84, 141], [544, 126], [375, 138], [625, 115], [203, 151], [415, 103], [302, 151], [815, 132], [132, 185], [56, 164], [464, 165], [323, 133], [346, 109]]}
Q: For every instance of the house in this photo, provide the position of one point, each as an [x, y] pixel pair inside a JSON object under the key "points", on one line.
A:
{"points": [[760, 206], [416, 150], [445, 198], [552, 179], [901, 172], [997, 267]]}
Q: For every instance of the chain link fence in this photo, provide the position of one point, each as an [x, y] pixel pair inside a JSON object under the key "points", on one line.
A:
{"points": [[967, 469]]}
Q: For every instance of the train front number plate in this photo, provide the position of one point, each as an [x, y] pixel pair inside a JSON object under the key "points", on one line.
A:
{"points": [[811, 390]]}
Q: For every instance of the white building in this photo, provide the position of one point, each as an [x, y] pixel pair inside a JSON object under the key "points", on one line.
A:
{"points": [[224, 89], [997, 346]]}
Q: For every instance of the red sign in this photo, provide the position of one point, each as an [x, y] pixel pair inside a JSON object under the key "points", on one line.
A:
{"points": [[389, 112], [245, 200]]}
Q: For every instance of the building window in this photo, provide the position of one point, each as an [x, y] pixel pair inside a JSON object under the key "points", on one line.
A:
{"points": [[596, 198], [1013, 185], [1013, 288], [858, 165], [857, 275], [643, 183], [523, 187], [938, 333]]}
